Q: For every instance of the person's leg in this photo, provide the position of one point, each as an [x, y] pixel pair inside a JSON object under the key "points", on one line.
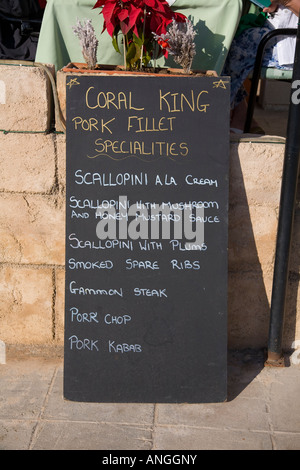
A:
{"points": [[239, 64]]}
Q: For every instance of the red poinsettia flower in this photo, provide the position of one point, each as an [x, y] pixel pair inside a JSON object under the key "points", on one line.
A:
{"points": [[137, 20], [153, 15]]}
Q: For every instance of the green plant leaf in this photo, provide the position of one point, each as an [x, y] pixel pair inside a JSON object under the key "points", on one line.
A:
{"points": [[139, 41], [133, 53], [146, 59], [115, 39]]}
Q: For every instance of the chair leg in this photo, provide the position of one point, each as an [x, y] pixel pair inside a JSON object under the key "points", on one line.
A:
{"points": [[251, 102], [253, 89]]}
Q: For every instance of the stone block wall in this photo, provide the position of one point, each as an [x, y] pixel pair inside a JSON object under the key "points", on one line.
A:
{"points": [[25, 98], [32, 238], [32, 228], [255, 185]]}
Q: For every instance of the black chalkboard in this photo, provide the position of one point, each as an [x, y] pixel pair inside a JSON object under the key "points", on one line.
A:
{"points": [[146, 309]]}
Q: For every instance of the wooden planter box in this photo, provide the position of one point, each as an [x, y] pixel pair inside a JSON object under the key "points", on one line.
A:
{"points": [[75, 68]]}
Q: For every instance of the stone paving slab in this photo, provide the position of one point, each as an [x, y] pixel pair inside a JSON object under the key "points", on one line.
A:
{"points": [[262, 413]]}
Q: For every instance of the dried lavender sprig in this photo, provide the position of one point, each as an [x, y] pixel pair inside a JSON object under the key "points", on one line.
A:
{"points": [[89, 43], [180, 38]]}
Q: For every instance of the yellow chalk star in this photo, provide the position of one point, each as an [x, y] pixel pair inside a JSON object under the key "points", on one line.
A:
{"points": [[73, 81], [220, 84]]}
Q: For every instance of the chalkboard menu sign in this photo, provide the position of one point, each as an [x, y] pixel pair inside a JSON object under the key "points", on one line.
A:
{"points": [[146, 239]]}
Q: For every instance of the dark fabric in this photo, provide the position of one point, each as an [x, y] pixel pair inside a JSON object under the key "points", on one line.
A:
{"points": [[21, 8], [251, 20], [20, 23]]}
